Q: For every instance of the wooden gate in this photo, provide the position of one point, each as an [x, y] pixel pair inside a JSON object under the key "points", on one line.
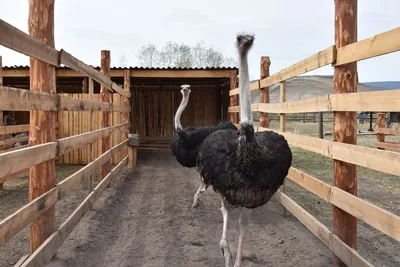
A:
{"points": [[154, 110]]}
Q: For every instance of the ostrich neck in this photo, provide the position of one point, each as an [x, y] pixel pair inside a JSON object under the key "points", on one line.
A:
{"points": [[244, 88], [181, 108]]}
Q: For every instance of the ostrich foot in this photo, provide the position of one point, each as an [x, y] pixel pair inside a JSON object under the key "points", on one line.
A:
{"points": [[226, 254], [200, 190]]}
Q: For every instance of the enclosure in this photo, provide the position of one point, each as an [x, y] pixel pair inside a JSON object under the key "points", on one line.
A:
{"points": [[95, 200]]}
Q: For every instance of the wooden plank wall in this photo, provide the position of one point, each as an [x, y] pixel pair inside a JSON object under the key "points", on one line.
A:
{"points": [[154, 111], [77, 122]]}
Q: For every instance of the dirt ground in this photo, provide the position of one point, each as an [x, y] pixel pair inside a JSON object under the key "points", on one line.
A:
{"points": [[144, 219]]}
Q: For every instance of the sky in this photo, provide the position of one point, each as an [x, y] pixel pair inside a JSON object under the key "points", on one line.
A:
{"points": [[287, 30]]}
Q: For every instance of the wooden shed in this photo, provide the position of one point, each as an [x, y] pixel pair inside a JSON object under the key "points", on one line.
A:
{"points": [[155, 96]]}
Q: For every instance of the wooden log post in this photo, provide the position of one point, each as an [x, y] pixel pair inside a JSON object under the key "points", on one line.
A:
{"points": [[345, 123], [126, 115], [321, 125], [105, 115], [381, 123], [133, 144], [264, 92], [1, 112], [283, 127], [234, 99], [42, 177], [90, 127]]}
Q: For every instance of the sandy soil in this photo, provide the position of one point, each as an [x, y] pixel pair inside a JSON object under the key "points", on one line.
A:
{"points": [[144, 219]]}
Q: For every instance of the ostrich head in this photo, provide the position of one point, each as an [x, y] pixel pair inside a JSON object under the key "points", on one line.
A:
{"points": [[185, 90], [244, 42]]}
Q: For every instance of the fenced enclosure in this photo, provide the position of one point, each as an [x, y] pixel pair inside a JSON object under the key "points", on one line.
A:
{"points": [[44, 148], [342, 147]]}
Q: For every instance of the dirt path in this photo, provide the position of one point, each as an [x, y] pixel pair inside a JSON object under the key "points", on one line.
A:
{"points": [[145, 219]]}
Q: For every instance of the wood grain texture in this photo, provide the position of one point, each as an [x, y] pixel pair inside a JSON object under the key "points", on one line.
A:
{"points": [[105, 96], [345, 81], [264, 92], [42, 177]]}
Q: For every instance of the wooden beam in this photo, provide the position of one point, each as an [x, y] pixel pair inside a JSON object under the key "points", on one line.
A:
{"points": [[282, 127], [14, 140], [345, 81], [42, 177], [57, 239], [379, 160], [11, 129], [22, 158], [378, 218], [137, 73], [378, 45], [344, 252], [264, 92], [388, 145], [25, 100], [90, 126], [17, 221], [2, 130], [233, 100], [389, 131], [381, 123], [387, 100], [104, 116], [99, 77], [126, 102], [31, 46], [322, 58]]}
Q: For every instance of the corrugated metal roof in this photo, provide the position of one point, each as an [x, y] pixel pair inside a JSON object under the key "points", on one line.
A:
{"points": [[20, 67]]}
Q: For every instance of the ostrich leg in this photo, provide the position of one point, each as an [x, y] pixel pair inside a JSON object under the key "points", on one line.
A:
{"points": [[200, 190], [223, 244], [243, 221]]}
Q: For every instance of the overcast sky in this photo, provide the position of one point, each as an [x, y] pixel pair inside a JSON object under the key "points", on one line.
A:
{"points": [[286, 30]]}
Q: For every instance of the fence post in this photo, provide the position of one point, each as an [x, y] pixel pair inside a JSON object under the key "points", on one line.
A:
{"points": [[264, 92], [381, 123], [234, 99], [321, 125], [126, 115], [345, 130], [90, 152], [1, 112], [42, 123], [283, 127], [133, 143], [370, 122], [105, 115]]}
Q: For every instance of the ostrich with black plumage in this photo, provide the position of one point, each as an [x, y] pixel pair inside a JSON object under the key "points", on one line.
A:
{"points": [[244, 167], [187, 141]]}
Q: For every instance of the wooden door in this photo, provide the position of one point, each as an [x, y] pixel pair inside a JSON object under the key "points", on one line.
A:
{"points": [[153, 112]]}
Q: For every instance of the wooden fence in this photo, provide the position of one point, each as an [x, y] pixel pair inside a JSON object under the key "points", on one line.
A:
{"points": [[381, 131], [43, 149], [345, 154]]}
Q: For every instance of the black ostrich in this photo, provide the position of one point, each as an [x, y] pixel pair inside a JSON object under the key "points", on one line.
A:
{"points": [[188, 141], [244, 167]]}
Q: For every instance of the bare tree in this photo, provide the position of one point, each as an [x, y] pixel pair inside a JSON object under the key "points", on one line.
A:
{"points": [[148, 56], [122, 61], [173, 54]]}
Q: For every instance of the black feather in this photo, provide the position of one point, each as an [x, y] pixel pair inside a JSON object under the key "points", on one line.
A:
{"points": [[188, 141], [246, 169]]}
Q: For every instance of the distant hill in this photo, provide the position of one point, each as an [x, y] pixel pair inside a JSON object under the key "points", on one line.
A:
{"points": [[388, 85], [304, 87]]}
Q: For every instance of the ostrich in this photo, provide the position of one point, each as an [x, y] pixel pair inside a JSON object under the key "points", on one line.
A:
{"points": [[187, 142], [244, 167]]}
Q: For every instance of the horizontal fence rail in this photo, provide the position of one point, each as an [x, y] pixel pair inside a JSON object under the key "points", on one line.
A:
{"points": [[378, 101], [15, 99], [22, 159], [372, 158], [15, 39]]}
